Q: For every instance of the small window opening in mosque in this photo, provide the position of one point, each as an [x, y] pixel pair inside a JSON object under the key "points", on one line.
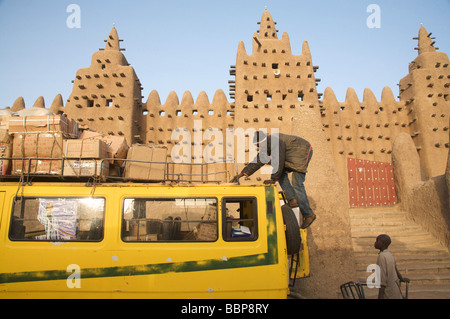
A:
{"points": [[194, 112], [268, 97], [162, 113], [300, 96], [178, 113], [210, 112], [284, 96], [103, 66], [109, 103], [274, 66], [249, 98], [90, 103]]}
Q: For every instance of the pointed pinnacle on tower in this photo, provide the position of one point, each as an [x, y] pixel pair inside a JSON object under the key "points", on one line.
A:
{"points": [[113, 42], [267, 27], [426, 43]]}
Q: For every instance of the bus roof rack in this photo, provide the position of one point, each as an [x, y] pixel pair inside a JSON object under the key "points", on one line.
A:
{"points": [[28, 170]]}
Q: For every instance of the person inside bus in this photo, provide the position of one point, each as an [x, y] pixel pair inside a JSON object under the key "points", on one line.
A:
{"points": [[294, 154]]}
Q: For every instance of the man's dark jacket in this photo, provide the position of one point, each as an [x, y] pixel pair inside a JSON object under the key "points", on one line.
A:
{"points": [[293, 155]]}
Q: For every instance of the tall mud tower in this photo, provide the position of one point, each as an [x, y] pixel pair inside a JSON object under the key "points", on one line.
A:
{"points": [[271, 85], [106, 96], [425, 91]]}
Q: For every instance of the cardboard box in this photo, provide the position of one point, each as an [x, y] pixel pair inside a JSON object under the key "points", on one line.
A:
{"points": [[207, 232], [5, 152], [5, 137], [46, 123], [116, 146], [4, 121], [88, 148], [148, 170], [139, 231], [87, 167], [37, 145]]}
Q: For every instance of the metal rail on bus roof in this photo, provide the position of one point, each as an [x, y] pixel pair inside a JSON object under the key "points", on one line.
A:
{"points": [[172, 171]]}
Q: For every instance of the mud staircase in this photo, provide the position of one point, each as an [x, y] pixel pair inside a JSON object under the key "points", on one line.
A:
{"points": [[418, 254]]}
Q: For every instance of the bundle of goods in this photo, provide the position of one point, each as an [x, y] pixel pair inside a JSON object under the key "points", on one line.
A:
{"points": [[85, 158], [49, 123], [5, 115], [146, 162], [37, 153], [116, 148], [5, 152], [38, 141]]}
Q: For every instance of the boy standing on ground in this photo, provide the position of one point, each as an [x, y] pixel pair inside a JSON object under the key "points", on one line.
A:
{"points": [[389, 274]]}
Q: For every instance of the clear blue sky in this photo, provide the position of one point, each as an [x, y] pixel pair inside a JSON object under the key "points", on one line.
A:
{"points": [[190, 45]]}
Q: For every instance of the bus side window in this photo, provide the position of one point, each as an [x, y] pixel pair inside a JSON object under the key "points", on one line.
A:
{"points": [[57, 219], [239, 219], [169, 220]]}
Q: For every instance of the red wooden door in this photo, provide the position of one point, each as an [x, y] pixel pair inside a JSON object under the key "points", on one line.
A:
{"points": [[370, 183]]}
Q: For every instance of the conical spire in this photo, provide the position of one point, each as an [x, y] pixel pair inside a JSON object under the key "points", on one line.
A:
{"points": [[39, 103], [19, 104], [202, 100], [426, 43], [153, 99], [305, 49], [172, 99], [113, 43], [267, 26], [219, 99], [387, 97], [57, 104], [351, 97], [187, 100]]}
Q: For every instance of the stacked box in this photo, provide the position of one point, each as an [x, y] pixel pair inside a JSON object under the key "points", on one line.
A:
{"points": [[207, 232], [81, 148], [83, 157], [47, 123], [139, 230], [86, 167], [5, 152], [4, 119], [139, 164], [116, 146], [48, 147]]}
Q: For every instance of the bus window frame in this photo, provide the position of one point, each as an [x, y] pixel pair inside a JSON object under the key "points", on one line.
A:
{"points": [[23, 198], [168, 198], [255, 220]]}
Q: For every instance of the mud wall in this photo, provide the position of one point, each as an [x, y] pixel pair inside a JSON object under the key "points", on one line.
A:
{"points": [[426, 200]]}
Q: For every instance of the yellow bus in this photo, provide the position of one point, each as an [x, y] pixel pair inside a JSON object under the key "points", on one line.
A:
{"points": [[146, 240]]}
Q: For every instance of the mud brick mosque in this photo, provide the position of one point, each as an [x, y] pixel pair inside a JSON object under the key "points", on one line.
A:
{"points": [[273, 88]]}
